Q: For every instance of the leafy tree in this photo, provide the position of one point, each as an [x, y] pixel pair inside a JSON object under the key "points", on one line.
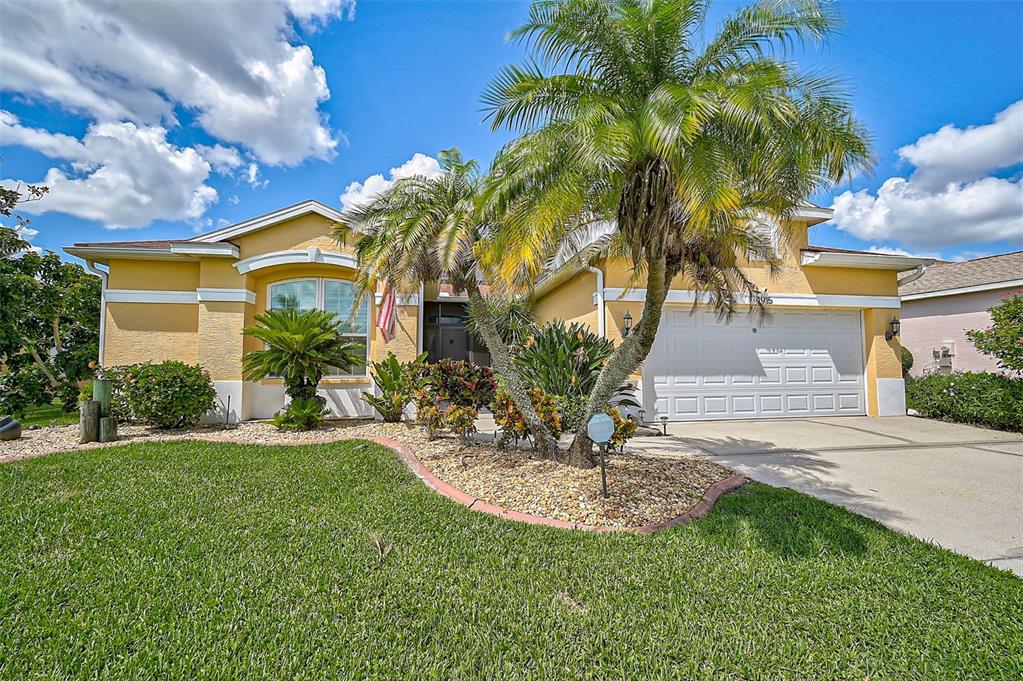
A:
{"points": [[49, 318], [300, 346], [627, 114], [1004, 338], [432, 229]]}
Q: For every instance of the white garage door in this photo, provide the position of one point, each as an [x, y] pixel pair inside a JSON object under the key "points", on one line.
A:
{"points": [[800, 363]]}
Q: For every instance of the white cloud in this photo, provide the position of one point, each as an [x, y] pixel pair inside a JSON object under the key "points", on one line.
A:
{"points": [[120, 174], [952, 155], [950, 198], [234, 199], [358, 193], [223, 159], [236, 65], [888, 250], [253, 178]]}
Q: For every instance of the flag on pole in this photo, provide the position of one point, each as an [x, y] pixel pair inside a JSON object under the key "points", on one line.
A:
{"points": [[386, 316]]}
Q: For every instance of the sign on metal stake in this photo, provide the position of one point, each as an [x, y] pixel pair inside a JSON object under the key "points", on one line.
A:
{"points": [[600, 428]]}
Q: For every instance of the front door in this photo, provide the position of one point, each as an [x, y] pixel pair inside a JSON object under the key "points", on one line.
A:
{"points": [[446, 336]]}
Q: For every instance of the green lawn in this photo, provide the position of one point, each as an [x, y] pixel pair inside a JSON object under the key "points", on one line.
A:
{"points": [[187, 560], [50, 413]]}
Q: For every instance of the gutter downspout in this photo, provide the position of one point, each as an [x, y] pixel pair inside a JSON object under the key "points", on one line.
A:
{"points": [[600, 298], [917, 273], [104, 282], [419, 322]]}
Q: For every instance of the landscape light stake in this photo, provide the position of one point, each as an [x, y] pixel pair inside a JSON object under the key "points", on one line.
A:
{"points": [[664, 424], [603, 472]]}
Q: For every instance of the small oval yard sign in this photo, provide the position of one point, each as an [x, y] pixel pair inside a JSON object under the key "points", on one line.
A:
{"points": [[600, 428]]}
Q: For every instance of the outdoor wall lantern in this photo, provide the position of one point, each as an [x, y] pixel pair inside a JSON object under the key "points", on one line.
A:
{"points": [[627, 321], [893, 329]]}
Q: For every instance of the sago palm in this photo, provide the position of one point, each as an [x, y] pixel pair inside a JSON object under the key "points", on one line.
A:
{"points": [[627, 114], [300, 346], [432, 229]]}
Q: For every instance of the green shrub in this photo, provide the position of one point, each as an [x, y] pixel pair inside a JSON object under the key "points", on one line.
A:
{"points": [[461, 420], [1003, 340], [21, 389], [572, 410], [565, 360], [511, 421], [625, 428], [396, 381], [166, 395], [981, 399], [907, 361], [304, 413]]}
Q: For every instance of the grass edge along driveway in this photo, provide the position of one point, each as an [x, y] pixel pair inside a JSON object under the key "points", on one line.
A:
{"points": [[183, 559]]}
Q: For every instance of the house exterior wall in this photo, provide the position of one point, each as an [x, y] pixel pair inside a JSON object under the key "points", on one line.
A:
{"points": [[209, 332], [930, 323], [885, 388]]}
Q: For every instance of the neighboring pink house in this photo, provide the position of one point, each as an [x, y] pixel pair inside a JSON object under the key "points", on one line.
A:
{"points": [[949, 299]]}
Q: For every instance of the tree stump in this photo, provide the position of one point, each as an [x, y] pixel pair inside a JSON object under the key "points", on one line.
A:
{"points": [[101, 391], [107, 429], [88, 422]]}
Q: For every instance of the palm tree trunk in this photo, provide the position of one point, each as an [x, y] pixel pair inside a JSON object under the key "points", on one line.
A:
{"points": [[544, 441], [627, 357]]}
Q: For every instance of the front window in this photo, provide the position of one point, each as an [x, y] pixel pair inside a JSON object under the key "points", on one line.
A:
{"points": [[330, 295]]}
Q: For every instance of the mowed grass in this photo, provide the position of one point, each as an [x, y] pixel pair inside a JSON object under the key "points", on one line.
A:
{"points": [[197, 560], [48, 414]]}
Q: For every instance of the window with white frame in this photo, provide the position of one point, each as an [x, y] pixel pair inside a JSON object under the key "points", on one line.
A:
{"points": [[330, 295]]}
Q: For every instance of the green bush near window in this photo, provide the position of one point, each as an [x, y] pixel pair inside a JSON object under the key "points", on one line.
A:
{"points": [[166, 395], [300, 414], [980, 399], [396, 382], [300, 347]]}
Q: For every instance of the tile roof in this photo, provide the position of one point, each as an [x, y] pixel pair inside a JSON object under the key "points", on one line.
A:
{"points": [[951, 275]]}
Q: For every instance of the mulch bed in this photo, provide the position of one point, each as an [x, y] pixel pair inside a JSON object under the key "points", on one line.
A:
{"points": [[643, 488]]}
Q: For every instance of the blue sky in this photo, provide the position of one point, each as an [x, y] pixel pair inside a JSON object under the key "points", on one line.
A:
{"points": [[192, 132]]}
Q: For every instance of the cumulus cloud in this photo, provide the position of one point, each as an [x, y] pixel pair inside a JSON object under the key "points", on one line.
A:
{"points": [[223, 159], [133, 61], [359, 193], [253, 177], [951, 197], [889, 250], [120, 174]]}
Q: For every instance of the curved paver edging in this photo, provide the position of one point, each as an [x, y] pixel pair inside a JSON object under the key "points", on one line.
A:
{"points": [[696, 511]]}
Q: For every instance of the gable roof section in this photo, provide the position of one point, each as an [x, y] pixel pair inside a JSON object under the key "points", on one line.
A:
{"points": [[269, 220], [950, 278]]}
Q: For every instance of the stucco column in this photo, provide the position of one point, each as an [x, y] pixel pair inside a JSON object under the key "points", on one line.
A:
{"points": [[886, 389]]}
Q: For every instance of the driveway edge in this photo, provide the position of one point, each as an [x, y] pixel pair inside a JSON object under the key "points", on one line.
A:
{"points": [[698, 510]]}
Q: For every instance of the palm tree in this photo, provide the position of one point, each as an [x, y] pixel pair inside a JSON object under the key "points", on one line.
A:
{"points": [[432, 229], [627, 115], [300, 346]]}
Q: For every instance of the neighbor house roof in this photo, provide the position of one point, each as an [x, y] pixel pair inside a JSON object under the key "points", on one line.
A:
{"points": [[952, 278]]}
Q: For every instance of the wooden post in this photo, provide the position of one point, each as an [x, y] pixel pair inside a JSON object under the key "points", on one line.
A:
{"points": [[101, 390], [88, 423], [107, 429]]}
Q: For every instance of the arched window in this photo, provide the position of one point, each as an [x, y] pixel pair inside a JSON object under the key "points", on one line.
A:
{"points": [[331, 295]]}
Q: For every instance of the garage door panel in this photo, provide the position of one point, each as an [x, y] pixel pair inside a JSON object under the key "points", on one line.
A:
{"points": [[805, 362]]}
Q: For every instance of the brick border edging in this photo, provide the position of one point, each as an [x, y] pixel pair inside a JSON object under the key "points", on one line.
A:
{"points": [[696, 511]]}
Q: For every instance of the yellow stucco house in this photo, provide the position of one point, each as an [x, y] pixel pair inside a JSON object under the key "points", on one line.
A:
{"points": [[823, 352]]}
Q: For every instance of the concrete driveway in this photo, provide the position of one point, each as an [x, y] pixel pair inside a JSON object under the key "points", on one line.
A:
{"points": [[958, 486]]}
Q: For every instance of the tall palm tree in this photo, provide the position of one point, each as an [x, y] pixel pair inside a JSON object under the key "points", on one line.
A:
{"points": [[429, 229], [300, 346], [628, 115]]}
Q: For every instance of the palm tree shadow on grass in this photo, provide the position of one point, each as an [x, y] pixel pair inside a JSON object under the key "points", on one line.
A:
{"points": [[785, 523]]}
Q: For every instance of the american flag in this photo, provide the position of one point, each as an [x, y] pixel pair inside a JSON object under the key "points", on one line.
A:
{"points": [[386, 316]]}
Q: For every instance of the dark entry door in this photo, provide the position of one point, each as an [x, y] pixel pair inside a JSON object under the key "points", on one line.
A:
{"points": [[446, 335]]}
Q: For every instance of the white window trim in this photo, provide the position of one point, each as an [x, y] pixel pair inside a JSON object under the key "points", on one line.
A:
{"points": [[319, 306]]}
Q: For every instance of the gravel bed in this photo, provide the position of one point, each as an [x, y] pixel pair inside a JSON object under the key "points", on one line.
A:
{"points": [[643, 488]]}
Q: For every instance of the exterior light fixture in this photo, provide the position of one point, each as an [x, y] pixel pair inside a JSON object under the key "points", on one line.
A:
{"points": [[664, 424], [893, 329], [627, 321], [642, 415]]}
